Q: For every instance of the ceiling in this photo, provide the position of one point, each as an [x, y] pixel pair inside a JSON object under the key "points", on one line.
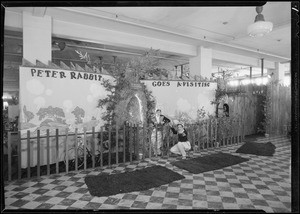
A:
{"points": [[226, 25], [220, 28]]}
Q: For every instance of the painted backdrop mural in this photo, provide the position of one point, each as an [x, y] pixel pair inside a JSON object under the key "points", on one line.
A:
{"points": [[58, 99], [179, 99]]}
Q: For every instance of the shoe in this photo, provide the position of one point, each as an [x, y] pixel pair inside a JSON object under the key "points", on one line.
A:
{"points": [[183, 158]]}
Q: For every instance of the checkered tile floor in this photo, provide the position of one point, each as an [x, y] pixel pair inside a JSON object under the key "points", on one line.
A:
{"points": [[262, 183]]}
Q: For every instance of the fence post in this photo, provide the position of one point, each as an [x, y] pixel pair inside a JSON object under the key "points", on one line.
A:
{"points": [[236, 131], [117, 144], [225, 133], [233, 131], [101, 146], [199, 128], [211, 127], [130, 142], [48, 153], [28, 154], [124, 142], [57, 150], [137, 143], [162, 140], [150, 142], [9, 156], [109, 145], [207, 133], [156, 143], [168, 141], [66, 151], [216, 133], [243, 130], [230, 131], [19, 151], [84, 148], [211, 133], [93, 147], [38, 154], [76, 147], [133, 139], [143, 143]]}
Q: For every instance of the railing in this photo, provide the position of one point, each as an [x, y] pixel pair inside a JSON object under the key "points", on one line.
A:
{"points": [[31, 156]]}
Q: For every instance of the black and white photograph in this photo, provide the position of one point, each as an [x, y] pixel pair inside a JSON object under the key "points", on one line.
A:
{"points": [[150, 106]]}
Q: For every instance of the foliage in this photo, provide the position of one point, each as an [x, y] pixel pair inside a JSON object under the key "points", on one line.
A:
{"points": [[127, 74], [267, 104], [202, 115], [147, 64], [51, 112], [46, 122], [96, 64], [8, 123], [222, 93], [79, 114], [14, 100], [225, 127], [150, 104], [184, 117], [28, 114]]}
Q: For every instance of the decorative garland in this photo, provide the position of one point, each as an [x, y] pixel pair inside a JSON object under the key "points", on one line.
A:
{"points": [[267, 109], [222, 92]]}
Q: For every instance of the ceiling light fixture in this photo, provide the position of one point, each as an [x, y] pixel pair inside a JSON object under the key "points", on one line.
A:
{"points": [[260, 27]]}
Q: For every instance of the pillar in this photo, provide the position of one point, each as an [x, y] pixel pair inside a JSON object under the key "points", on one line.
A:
{"points": [[37, 39], [202, 63], [277, 74]]}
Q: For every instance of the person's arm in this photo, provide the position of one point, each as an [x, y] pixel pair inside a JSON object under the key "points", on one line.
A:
{"points": [[186, 134], [166, 120], [173, 130]]}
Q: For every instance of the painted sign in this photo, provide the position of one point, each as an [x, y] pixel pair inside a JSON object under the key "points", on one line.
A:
{"points": [[51, 98], [177, 98]]}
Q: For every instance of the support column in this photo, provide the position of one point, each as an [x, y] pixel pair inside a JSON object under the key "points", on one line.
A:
{"points": [[37, 38], [278, 72], [202, 63]]}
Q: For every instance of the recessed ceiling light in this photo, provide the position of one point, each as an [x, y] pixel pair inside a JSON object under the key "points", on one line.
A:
{"points": [[278, 40], [224, 23]]}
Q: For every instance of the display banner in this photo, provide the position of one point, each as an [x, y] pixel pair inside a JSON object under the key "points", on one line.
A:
{"points": [[175, 98], [58, 99]]}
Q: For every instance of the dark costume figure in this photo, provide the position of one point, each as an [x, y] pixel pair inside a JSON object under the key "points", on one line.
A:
{"points": [[226, 110], [158, 121]]}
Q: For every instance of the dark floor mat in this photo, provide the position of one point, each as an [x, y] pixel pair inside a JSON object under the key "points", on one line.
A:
{"points": [[138, 180], [261, 149], [209, 162]]}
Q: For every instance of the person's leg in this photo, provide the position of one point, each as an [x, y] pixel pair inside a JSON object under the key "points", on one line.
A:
{"points": [[175, 149], [186, 145], [159, 142], [181, 149], [153, 142]]}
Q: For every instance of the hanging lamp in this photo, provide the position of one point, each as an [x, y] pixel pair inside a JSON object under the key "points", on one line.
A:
{"points": [[260, 27]]}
